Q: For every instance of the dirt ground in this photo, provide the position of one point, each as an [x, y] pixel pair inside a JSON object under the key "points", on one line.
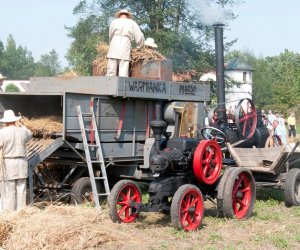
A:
{"points": [[272, 226]]}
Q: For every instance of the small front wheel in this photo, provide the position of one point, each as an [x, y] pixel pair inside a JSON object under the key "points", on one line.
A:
{"points": [[187, 208], [122, 201]]}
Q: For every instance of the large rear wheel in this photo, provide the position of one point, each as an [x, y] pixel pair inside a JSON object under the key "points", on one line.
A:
{"points": [[239, 194], [292, 188], [187, 208], [122, 201]]}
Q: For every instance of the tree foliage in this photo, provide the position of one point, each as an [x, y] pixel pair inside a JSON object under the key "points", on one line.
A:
{"points": [[172, 23], [48, 65], [12, 88], [276, 80], [16, 61]]}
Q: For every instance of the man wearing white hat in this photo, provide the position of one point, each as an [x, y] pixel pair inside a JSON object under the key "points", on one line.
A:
{"points": [[2, 78], [122, 31], [14, 167], [150, 43]]}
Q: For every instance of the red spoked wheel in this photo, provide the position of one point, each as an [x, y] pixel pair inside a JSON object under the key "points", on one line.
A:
{"points": [[122, 201], [207, 162], [246, 118], [187, 208], [239, 194]]}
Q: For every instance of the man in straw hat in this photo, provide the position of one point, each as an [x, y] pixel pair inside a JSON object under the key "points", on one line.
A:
{"points": [[122, 31], [14, 167], [2, 78]]}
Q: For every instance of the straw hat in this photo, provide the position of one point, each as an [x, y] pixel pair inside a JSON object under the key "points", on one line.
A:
{"points": [[9, 116], [2, 77], [150, 42], [129, 14]]}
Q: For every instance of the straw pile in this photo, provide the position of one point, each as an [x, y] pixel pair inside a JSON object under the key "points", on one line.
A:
{"points": [[55, 227], [137, 56], [44, 127]]}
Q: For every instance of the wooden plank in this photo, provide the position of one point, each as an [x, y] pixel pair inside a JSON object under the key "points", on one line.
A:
{"points": [[267, 160]]}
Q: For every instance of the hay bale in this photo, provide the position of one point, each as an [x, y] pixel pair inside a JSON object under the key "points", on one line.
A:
{"points": [[44, 127], [137, 56]]}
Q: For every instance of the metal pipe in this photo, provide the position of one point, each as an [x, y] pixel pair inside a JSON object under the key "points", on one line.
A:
{"points": [[219, 50]]}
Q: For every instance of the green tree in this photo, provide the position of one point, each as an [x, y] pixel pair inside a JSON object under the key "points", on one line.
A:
{"points": [[172, 23], [16, 62], [48, 65], [12, 88]]}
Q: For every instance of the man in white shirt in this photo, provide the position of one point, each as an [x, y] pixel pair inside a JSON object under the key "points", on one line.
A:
{"points": [[280, 131], [14, 167], [122, 31]]}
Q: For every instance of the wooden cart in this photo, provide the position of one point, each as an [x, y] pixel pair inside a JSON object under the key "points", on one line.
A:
{"points": [[277, 167]]}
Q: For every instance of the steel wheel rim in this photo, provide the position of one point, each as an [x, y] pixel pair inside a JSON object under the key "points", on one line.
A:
{"points": [[126, 196], [191, 210], [207, 163], [241, 195], [246, 121], [297, 190]]}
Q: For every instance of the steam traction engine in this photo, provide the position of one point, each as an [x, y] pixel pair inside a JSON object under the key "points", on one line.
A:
{"points": [[186, 172]]}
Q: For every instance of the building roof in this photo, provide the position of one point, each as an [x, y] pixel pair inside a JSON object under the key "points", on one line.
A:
{"points": [[238, 64]]}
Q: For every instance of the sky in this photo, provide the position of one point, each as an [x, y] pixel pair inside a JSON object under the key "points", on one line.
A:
{"points": [[264, 27]]}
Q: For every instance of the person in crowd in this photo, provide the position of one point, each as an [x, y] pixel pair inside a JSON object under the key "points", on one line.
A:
{"points": [[264, 118], [291, 121], [281, 120], [271, 118], [280, 132], [14, 166], [122, 31], [2, 78]]}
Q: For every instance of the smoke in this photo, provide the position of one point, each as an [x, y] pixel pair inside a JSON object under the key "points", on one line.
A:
{"points": [[208, 13]]}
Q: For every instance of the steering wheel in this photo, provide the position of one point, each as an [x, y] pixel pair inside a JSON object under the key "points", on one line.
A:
{"points": [[211, 133]]}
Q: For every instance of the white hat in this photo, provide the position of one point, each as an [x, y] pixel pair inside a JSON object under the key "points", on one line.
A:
{"points": [[123, 12], [2, 77], [150, 42], [9, 116]]}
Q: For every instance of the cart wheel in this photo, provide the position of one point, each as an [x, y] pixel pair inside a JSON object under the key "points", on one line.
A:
{"points": [[246, 118], [82, 191], [207, 162], [121, 199], [187, 208], [292, 188], [239, 194]]}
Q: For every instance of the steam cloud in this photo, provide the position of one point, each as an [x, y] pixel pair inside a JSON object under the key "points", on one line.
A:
{"points": [[208, 14]]}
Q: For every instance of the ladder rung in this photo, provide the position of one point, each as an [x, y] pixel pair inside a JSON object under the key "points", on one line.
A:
{"points": [[90, 129], [87, 114], [104, 194], [96, 161], [93, 145], [100, 178]]}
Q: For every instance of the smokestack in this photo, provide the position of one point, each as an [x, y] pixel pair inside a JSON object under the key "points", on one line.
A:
{"points": [[219, 48]]}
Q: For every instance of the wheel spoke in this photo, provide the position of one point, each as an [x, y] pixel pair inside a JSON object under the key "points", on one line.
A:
{"points": [[246, 189], [196, 199], [183, 218], [205, 169], [128, 194], [122, 210], [242, 202], [237, 184]]}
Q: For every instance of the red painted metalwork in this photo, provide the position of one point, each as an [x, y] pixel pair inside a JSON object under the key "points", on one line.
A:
{"points": [[207, 162], [191, 210], [246, 118], [241, 195], [120, 123], [128, 194], [92, 132]]}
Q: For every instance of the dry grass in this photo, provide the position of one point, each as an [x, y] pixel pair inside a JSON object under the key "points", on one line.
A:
{"points": [[44, 126], [273, 226], [137, 56]]}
